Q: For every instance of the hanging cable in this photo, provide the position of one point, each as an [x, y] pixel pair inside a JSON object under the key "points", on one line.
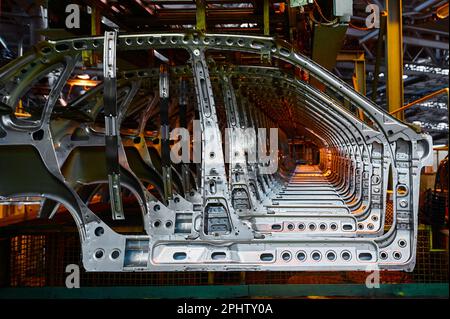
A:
{"points": [[327, 22]]}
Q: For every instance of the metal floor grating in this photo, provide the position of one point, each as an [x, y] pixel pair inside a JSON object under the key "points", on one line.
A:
{"points": [[40, 260], [28, 261]]}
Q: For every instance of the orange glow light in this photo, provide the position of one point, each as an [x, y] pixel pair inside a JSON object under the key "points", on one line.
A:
{"points": [[442, 11], [22, 114], [82, 82]]}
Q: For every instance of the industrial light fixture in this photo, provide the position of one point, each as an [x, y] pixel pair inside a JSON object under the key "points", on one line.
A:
{"points": [[83, 76], [62, 101], [442, 11]]}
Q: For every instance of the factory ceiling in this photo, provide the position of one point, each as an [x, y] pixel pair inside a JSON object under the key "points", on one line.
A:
{"points": [[425, 37]]}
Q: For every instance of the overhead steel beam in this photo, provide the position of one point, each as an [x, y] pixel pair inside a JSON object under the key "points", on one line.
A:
{"points": [[424, 5], [426, 43], [368, 51], [369, 36], [406, 40], [370, 67], [425, 30], [394, 56], [422, 99]]}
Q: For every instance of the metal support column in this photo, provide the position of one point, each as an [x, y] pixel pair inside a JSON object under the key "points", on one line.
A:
{"points": [[96, 29], [376, 73], [201, 15], [394, 56], [292, 16], [359, 74], [266, 18], [89, 57]]}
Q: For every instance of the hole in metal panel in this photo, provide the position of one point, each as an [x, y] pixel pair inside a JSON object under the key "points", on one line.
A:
{"points": [[365, 256], [331, 256], [99, 231], [301, 256], [347, 227], [316, 256], [276, 227], [346, 255], [38, 135], [218, 255], [179, 256], [99, 254], [286, 256], [266, 257], [115, 254]]}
